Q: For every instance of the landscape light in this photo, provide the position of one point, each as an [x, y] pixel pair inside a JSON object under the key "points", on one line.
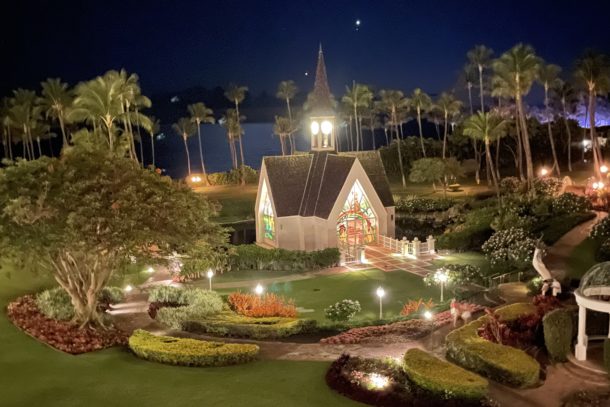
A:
{"points": [[150, 270], [603, 169], [378, 381], [196, 178], [428, 315], [210, 274], [327, 127], [315, 128], [544, 172], [441, 277], [128, 288], [259, 289], [380, 294]]}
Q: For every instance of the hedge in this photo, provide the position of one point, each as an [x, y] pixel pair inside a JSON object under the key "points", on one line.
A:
{"points": [[189, 352], [471, 233], [55, 303], [253, 257], [198, 303], [443, 379], [501, 363], [557, 327], [233, 325]]}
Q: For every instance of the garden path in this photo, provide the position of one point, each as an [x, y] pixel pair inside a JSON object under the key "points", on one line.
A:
{"points": [[558, 254], [384, 259]]}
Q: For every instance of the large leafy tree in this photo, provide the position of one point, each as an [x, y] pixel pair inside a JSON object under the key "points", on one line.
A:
{"points": [[200, 113], [435, 170], [548, 76], [155, 127], [83, 216], [486, 127], [421, 103], [56, 100], [392, 102], [184, 128]]}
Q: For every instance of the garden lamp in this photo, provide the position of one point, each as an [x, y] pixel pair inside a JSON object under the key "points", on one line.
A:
{"points": [[210, 274], [380, 294]]}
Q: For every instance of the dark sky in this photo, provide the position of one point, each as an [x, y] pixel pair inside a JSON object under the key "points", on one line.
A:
{"points": [[176, 44]]}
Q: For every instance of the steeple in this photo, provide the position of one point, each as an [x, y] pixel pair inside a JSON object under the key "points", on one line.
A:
{"points": [[321, 99]]}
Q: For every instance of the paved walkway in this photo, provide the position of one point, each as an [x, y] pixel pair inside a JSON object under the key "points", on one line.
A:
{"points": [[387, 260], [558, 254]]}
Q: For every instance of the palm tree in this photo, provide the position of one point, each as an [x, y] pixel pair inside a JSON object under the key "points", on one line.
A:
{"points": [[200, 113], [514, 73], [548, 76], [283, 129], [357, 97], [231, 122], [469, 76], [565, 99], [450, 107], [487, 128], [391, 102], [55, 100], [155, 127], [480, 58], [5, 122], [592, 73], [237, 94], [184, 128], [286, 90], [420, 102]]}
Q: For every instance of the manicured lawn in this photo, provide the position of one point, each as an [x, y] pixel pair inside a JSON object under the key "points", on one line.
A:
{"points": [[582, 258], [31, 374], [320, 292], [237, 201]]}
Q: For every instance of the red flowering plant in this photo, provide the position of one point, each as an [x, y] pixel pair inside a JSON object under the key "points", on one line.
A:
{"points": [[268, 305]]}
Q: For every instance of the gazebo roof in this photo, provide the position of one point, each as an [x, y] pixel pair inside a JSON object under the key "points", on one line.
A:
{"points": [[596, 281]]}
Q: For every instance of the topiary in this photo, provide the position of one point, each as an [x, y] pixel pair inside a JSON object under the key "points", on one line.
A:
{"points": [[343, 310], [557, 328]]}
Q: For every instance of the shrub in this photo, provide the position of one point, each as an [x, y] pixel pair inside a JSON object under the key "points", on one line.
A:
{"points": [[343, 310], [55, 304], [416, 306], [196, 303], [571, 203], [501, 363], [268, 305], [253, 257], [189, 352], [167, 294], [470, 233], [547, 186], [234, 325], [557, 326], [417, 204], [233, 177], [443, 379], [402, 331], [111, 295], [603, 252], [511, 185], [601, 230], [509, 249], [459, 274]]}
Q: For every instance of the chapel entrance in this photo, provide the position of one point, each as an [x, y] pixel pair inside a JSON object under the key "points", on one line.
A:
{"points": [[357, 223]]}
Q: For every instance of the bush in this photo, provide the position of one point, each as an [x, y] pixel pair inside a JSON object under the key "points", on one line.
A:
{"points": [[571, 203], [469, 234], [444, 380], [511, 185], [603, 252], [167, 294], [459, 274], [417, 204], [601, 230], [501, 363], [402, 331], [253, 257], [196, 303], [231, 324], [111, 295], [189, 352], [268, 305], [233, 177], [547, 186], [343, 310], [510, 249], [55, 303], [557, 326]]}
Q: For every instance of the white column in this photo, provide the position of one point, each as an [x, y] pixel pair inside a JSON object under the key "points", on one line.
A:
{"points": [[431, 241], [416, 247], [582, 340]]}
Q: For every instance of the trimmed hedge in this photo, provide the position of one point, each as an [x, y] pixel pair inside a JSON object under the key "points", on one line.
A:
{"points": [[198, 303], [557, 327], [501, 363], [471, 233], [233, 325], [253, 257], [189, 352], [443, 379]]}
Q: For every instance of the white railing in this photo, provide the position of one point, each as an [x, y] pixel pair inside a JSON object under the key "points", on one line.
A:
{"points": [[405, 247]]}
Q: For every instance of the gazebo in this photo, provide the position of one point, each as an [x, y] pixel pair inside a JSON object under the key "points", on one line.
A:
{"points": [[593, 294]]}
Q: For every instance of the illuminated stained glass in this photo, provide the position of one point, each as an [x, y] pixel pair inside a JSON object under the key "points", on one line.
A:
{"points": [[357, 222], [268, 218]]}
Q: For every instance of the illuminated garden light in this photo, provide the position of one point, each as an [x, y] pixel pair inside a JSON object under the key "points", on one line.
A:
{"points": [[378, 381], [210, 274], [150, 270], [603, 169], [326, 127], [428, 315], [128, 288], [259, 289], [195, 178], [441, 277], [544, 172], [315, 128], [380, 294]]}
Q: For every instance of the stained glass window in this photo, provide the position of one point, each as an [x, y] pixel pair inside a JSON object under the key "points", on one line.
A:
{"points": [[268, 218], [357, 222]]}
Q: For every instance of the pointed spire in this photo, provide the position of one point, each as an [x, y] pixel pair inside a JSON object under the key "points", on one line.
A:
{"points": [[321, 98]]}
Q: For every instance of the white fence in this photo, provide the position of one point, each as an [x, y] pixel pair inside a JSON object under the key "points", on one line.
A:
{"points": [[405, 247]]}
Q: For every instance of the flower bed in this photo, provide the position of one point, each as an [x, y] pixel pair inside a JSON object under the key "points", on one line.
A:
{"points": [[234, 325], [61, 335], [402, 331], [268, 305], [498, 362], [189, 352]]}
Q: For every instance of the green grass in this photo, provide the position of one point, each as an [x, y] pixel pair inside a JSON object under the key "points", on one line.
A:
{"points": [[554, 228], [237, 201], [245, 276], [582, 258], [473, 258], [32, 374], [318, 293]]}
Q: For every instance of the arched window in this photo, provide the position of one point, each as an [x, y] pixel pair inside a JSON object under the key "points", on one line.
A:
{"points": [[267, 214], [357, 223]]}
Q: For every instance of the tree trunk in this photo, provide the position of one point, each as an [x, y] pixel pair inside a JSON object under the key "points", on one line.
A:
{"points": [[565, 121], [62, 126], [597, 158], [497, 163], [152, 144], [519, 147], [481, 88], [243, 164], [282, 145], [399, 141], [470, 97], [421, 133], [385, 131], [550, 130], [205, 174], [39, 147], [491, 167], [445, 136], [188, 156], [529, 166]]}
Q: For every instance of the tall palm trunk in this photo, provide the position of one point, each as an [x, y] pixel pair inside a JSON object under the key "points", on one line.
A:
{"points": [[597, 157], [205, 174], [550, 130], [399, 141], [385, 131], [361, 136], [497, 163], [290, 136], [481, 88], [569, 132], [445, 135], [62, 126], [470, 98], [243, 164], [152, 144], [39, 147], [188, 156], [491, 167], [421, 133], [529, 166]]}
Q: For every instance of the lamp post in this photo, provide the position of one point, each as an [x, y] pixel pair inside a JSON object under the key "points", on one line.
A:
{"points": [[210, 274], [442, 278], [380, 294], [258, 290], [544, 172]]}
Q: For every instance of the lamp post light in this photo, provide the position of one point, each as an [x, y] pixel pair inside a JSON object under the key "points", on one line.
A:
{"points": [[544, 172], [442, 277], [428, 315], [210, 274], [258, 290], [380, 294], [603, 169]]}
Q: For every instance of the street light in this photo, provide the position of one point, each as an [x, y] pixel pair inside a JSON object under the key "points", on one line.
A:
{"points": [[210, 274], [442, 278], [380, 294], [259, 289]]}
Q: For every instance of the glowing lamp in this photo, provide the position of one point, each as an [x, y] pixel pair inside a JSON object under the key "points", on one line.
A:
{"points": [[315, 128], [380, 292], [544, 172], [378, 381], [128, 288], [259, 289], [441, 277], [210, 273], [195, 178], [603, 169], [327, 127], [428, 315], [150, 270]]}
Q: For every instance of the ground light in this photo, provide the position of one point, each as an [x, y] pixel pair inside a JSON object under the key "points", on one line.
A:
{"points": [[603, 169], [128, 288], [259, 289], [428, 315], [544, 172], [441, 277], [380, 294], [378, 381], [210, 274], [150, 270]]}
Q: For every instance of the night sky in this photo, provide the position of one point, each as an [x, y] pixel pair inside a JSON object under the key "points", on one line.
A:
{"points": [[177, 44]]}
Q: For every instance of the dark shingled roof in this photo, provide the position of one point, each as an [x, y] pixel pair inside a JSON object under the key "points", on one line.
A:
{"points": [[308, 185]]}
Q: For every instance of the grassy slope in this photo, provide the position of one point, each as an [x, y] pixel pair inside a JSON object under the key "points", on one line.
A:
{"points": [[32, 374], [582, 258], [320, 292], [237, 201]]}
